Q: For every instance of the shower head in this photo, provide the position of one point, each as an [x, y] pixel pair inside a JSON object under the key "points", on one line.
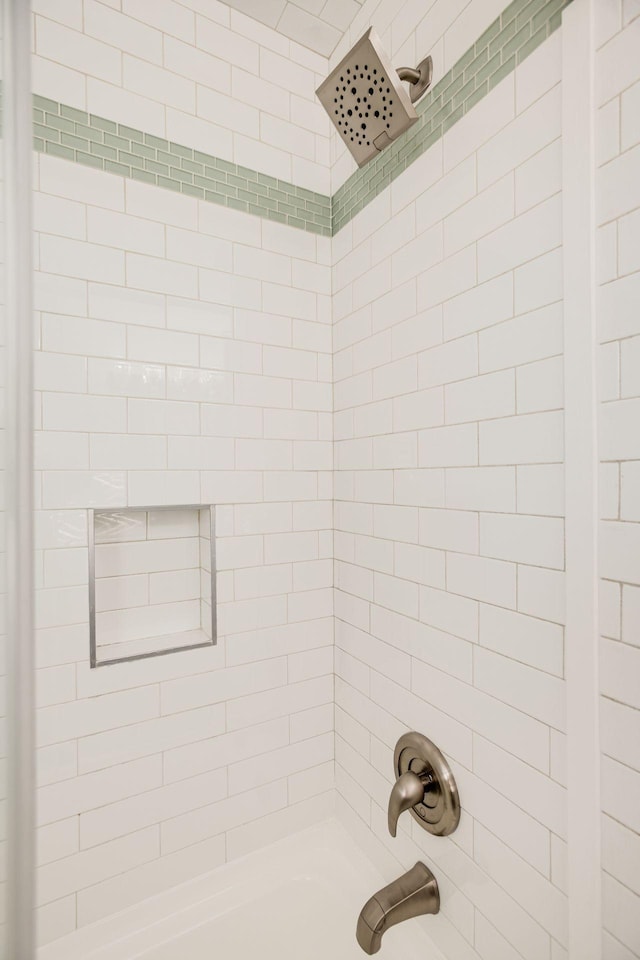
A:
{"points": [[365, 98]]}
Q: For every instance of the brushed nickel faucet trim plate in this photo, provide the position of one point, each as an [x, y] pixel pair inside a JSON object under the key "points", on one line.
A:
{"points": [[424, 785]]}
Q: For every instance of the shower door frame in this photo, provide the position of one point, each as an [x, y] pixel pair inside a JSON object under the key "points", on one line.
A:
{"points": [[18, 160]]}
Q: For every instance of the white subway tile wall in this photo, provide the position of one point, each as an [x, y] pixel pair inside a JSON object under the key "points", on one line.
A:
{"points": [[197, 74], [412, 368], [449, 539], [184, 357], [618, 212]]}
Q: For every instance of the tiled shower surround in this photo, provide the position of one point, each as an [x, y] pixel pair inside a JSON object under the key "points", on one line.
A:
{"points": [[449, 503], [184, 357], [104, 144], [378, 418]]}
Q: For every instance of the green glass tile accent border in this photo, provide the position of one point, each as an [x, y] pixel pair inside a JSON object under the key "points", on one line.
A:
{"points": [[94, 141], [515, 34]]}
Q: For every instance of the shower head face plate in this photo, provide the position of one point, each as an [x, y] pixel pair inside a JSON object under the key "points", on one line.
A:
{"points": [[365, 99]]}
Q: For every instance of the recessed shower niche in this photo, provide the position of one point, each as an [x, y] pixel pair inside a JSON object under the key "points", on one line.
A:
{"points": [[152, 581]]}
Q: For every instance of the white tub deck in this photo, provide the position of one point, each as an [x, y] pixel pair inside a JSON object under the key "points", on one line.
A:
{"points": [[297, 899]]}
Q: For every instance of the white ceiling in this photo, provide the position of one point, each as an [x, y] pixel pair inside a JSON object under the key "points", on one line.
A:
{"points": [[316, 24]]}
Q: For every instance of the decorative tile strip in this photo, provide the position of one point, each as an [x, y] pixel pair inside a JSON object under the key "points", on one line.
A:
{"points": [[81, 137], [63, 131]]}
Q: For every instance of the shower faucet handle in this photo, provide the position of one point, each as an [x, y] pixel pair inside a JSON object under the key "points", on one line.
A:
{"points": [[407, 792], [425, 785]]}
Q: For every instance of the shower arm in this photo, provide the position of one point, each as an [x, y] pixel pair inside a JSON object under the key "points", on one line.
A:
{"points": [[409, 74], [420, 78]]}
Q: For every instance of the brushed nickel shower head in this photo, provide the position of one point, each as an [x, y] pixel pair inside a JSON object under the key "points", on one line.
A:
{"points": [[365, 98]]}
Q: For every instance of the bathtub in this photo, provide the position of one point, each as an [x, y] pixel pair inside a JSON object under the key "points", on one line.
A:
{"points": [[297, 899]]}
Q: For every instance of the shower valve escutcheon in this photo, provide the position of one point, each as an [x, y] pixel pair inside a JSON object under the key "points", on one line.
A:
{"points": [[425, 785]]}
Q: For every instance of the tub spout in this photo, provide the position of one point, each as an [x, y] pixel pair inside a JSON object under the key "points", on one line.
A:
{"points": [[413, 894]]}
